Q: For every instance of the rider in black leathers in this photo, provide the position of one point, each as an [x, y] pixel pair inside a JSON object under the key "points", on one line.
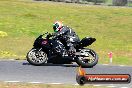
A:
{"points": [[66, 36]]}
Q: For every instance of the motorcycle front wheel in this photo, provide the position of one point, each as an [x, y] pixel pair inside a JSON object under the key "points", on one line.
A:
{"points": [[36, 57], [88, 58]]}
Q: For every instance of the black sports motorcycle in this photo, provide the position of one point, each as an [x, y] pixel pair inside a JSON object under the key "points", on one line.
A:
{"points": [[45, 50]]}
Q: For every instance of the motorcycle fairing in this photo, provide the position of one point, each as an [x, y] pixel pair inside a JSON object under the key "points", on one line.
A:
{"points": [[87, 41]]}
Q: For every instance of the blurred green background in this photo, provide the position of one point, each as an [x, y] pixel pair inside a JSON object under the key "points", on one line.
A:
{"points": [[21, 21]]}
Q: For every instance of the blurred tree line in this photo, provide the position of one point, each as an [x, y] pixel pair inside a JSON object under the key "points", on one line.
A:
{"points": [[97, 2], [120, 2], [114, 2]]}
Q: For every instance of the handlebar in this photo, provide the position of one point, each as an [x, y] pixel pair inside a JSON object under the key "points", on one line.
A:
{"points": [[48, 35], [45, 33]]}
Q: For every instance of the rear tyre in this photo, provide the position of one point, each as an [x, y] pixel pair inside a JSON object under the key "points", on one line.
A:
{"points": [[36, 57], [87, 59]]}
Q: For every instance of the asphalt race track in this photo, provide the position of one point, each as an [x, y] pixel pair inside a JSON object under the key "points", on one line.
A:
{"points": [[21, 71]]}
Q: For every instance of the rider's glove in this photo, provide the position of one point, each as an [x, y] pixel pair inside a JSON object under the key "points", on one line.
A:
{"points": [[49, 35]]}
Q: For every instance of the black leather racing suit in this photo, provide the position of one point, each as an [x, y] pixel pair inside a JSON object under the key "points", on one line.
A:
{"points": [[67, 37]]}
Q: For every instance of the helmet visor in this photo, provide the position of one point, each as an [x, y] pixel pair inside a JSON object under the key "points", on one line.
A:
{"points": [[55, 27]]}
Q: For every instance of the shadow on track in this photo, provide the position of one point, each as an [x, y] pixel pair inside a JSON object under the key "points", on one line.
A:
{"points": [[50, 64]]}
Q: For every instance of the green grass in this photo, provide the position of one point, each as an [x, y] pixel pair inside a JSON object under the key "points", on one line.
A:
{"points": [[130, 4], [24, 20], [108, 2]]}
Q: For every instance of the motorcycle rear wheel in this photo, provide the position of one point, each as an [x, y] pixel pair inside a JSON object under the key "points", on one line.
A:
{"points": [[36, 57], [90, 59]]}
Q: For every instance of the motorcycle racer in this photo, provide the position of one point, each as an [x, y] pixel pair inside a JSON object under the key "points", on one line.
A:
{"points": [[65, 33]]}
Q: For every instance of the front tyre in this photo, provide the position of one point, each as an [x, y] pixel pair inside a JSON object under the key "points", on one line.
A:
{"points": [[36, 57], [88, 58]]}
